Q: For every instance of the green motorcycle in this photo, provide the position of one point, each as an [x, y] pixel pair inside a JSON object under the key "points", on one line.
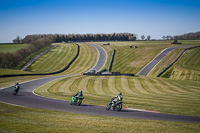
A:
{"points": [[78, 101]]}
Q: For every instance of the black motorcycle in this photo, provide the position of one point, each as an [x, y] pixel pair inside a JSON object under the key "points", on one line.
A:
{"points": [[16, 89], [114, 105]]}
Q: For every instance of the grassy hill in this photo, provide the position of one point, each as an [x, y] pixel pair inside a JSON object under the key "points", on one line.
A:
{"points": [[85, 61], [132, 60], [186, 68], [54, 60], [157, 94]]}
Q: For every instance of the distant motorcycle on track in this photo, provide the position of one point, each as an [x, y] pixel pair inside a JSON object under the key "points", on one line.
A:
{"points": [[77, 101], [114, 105], [16, 89]]}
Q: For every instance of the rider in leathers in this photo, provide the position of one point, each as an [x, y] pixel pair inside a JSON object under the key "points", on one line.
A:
{"points": [[78, 95], [17, 85], [119, 98]]}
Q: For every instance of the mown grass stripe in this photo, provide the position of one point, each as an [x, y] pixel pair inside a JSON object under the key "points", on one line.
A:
{"points": [[98, 85], [105, 86], [163, 87], [75, 86], [145, 85], [118, 84], [132, 85], [174, 87], [84, 82], [125, 85], [183, 86], [65, 87], [151, 86], [90, 85], [169, 87], [111, 85], [139, 87]]}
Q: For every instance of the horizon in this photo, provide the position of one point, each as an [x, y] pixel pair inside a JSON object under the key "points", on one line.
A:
{"points": [[156, 18]]}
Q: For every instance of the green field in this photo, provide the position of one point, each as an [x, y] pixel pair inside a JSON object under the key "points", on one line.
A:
{"points": [[11, 47], [173, 95]]}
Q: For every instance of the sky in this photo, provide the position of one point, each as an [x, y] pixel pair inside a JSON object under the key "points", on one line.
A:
{"points": [[156, 18]]}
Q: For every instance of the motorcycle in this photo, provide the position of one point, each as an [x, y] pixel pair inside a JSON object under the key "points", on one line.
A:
{"points": [[78, 101], [16, 89], [114, 105]]}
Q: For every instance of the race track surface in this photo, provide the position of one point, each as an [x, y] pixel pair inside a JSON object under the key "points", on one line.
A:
{"points": [[102, 57], [26, 98], [147, 69]]}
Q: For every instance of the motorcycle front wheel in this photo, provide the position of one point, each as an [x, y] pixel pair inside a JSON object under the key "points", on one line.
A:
{"points": [[108, 107], [15, 92]]}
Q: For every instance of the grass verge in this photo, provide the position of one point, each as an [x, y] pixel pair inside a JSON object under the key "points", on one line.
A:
{"points": [[15, 119]]}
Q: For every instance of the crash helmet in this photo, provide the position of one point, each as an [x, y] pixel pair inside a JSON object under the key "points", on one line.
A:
{"points": [[120, 93], [17, 83]]}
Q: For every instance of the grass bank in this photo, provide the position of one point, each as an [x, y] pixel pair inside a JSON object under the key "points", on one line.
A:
{"points": [[16, 119], [164, 95]]}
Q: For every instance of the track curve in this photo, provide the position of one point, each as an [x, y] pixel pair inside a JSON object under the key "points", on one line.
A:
{"points": [[26, 98], [147, 69]]}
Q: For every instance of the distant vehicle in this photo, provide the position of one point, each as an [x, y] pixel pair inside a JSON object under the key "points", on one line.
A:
{"points": [[106, 43], [106, 73]]}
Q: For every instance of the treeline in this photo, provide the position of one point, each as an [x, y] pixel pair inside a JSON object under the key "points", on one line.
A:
{"points": [[12, 60], [82, 37], [188, 36]]}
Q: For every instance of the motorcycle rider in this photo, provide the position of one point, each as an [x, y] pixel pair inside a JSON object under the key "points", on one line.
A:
{"points": [[78, 95], [119, 98], [17, 85]]}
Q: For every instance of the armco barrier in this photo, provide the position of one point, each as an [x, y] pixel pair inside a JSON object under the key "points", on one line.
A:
{"points": [[175, 60], [108, 74], [62, 70], [111, 61]]}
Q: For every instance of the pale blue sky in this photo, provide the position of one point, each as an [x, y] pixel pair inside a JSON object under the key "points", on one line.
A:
{"points": [[149, 17]]}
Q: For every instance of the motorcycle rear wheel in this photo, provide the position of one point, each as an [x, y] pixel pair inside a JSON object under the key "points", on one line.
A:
{"points": [[79, 102], [119, 107]]}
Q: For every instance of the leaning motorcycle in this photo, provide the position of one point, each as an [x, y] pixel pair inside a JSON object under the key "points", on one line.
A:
{"points": [[16, 89], [78, 101], [114, 105]]}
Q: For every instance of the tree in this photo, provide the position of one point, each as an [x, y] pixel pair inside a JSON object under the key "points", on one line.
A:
{"points": [[142, 37], [164, 37], [17, 40], [148, 37]]}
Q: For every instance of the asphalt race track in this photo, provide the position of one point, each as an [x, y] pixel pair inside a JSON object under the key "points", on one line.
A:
{"points": [[27, 98], [147, 69]]}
